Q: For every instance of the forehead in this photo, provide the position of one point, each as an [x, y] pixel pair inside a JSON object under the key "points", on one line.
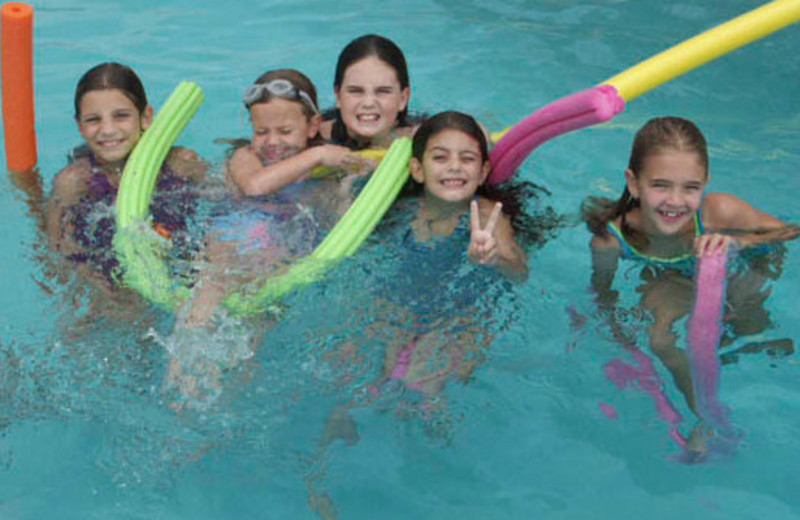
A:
{"points": [[674, 164], [277, 111], [454, 141], [107, 99], [370, 70]]}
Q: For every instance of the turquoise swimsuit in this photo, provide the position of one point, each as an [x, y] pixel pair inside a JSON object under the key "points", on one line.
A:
{"points": [[677, 262]]}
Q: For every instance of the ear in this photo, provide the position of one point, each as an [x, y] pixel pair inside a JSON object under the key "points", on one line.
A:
{"points": [[416, 170], [80, 126], [147, 117], [313, 126], [405, 96], [632, 182], [487, 167]]}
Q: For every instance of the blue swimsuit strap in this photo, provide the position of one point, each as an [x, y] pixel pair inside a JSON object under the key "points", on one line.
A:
{"points": [[630, 251]]}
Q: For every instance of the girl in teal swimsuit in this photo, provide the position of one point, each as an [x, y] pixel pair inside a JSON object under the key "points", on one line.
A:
{"points": [[665, 219]]}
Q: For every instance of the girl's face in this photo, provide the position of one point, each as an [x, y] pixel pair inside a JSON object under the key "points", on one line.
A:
{"points": [[452, 168], [281, 129], [369, 99], [669, 188], [111, 124]]}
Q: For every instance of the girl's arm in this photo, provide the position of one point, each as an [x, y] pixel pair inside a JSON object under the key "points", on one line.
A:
{"points": [[68, 187], [247, 173], [730, 219], [187, 164]]}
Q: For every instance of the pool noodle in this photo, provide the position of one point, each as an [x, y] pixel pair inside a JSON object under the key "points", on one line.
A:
{"points": [[17, 79], [343, 240], [569, 114], [622, 373], [704, 330], [140, 255]]}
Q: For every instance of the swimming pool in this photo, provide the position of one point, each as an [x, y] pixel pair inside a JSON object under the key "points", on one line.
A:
{"points": [[85, 425]]}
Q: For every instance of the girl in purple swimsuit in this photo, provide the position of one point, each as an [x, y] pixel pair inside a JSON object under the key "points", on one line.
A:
{"points": [[111, 111]]}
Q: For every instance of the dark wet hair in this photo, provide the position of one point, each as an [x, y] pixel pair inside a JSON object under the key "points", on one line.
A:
{"points": [[449, 120], [363, 47], [531, 228], [299, 80], [657, 135], [111, 75]]}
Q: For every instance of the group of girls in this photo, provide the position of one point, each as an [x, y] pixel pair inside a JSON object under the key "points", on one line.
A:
{"points": [[664, 217]]}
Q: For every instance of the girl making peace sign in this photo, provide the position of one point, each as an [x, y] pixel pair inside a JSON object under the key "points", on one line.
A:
{"points": [[451, 162]]}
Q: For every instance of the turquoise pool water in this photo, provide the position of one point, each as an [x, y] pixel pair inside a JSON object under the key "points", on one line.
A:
{"points": [[86, 430]]}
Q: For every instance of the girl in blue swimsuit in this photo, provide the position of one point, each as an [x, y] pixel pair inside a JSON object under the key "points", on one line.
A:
{"points": [[664, 219]]}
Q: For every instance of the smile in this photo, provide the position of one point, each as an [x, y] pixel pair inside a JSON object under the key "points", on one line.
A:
{"points": [[453, 183], [368, 118]]}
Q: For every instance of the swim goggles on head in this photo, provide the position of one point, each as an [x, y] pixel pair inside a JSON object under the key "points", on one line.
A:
{"points": [[282, 88]]}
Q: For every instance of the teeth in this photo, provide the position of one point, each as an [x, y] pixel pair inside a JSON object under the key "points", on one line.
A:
{"points": [[369, 118]]}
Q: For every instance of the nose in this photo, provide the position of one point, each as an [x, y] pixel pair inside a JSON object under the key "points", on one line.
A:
{"points": [[674, 197], [106, 126], [368, 100], [454, 165], [273, 139]]}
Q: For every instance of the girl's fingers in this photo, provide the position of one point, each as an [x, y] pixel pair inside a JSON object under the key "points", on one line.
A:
{"points": [[494, 218], [474, 217]]}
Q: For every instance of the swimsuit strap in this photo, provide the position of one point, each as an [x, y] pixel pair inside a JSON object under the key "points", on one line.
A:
{"points": [[628, 251]]}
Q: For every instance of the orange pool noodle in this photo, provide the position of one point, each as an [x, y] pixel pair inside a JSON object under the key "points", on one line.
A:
{"points": [[18, 115]]}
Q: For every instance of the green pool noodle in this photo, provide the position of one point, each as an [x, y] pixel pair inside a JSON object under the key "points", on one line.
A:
{"points": [[140, 251], [343, 240]]}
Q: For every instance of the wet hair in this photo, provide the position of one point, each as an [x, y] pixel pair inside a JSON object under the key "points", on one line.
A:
{"points": [[657, 135], [449, 120], [531, 228], [110, 75], [363, 47], [298, 80]]}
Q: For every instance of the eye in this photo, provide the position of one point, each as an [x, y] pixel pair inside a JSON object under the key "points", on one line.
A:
{"points": [[91, 119], [285, 131], [439, 157], [354, 90], [385, 90]]}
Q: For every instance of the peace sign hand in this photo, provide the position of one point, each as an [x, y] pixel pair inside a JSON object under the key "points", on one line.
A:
{"points": [[482, 244]]}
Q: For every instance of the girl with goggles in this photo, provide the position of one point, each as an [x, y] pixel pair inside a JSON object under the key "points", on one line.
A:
{"points": [[285, 144]]}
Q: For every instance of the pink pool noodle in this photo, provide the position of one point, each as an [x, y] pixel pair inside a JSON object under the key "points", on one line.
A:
{"points": [[705, 326], [579, 110], [622, 373]]}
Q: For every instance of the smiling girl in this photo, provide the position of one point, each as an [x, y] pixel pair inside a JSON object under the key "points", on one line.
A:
{"points": [[372, 92], [112, 112], [664, 219]]}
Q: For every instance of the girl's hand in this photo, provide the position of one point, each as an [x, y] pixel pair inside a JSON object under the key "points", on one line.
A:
{"points": [[482, 244], [335, 156], [713, 243]]}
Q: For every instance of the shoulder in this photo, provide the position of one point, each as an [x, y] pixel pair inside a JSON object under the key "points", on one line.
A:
{"points": [[724, 211], [606, 242], [71, 181], [606, 239], [187, 163]]}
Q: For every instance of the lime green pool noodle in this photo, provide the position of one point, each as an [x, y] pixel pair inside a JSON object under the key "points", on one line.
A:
{"points": [[141, 253], [343, 240]]}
